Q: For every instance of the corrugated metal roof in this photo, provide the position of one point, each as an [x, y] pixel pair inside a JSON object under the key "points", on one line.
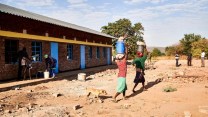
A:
{"points": [[26, 14]]}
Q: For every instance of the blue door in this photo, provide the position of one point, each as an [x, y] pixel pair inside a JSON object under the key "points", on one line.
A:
{"points": [[82, 56], [108, 56], [54, 53]]}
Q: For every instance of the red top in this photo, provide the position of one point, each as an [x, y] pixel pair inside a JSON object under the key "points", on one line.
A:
{"points": [[122, 67]]}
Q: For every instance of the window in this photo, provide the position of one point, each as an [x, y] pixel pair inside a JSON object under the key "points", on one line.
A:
{"points": [[104, 52], [90, 52], [98, 53], [69, 52], [11, 47], [37, 51]]}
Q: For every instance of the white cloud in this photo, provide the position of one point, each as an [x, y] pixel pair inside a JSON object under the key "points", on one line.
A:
{"points": [[38, 3], [77, 1], [80, 5], [87, 18], [166, 24], [141, 1]]}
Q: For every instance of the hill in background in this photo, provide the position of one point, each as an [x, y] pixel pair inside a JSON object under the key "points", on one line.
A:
{"points": [[162, 49]]}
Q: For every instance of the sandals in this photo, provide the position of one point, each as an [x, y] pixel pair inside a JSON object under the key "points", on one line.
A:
{"points": [[114, 100]]}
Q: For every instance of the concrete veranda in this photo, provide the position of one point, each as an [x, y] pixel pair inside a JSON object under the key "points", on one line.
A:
{"points": [[9, 85]]}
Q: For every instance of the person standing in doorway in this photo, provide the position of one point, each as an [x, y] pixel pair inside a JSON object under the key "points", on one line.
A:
{"points": [[50, 65], [202, 58], [22, 56]]}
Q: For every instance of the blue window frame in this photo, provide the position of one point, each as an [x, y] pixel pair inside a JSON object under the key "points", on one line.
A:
{"points": [[104, 52], [69, 51], [11, 54], [37, 51], [90, 51], [98, 52]]}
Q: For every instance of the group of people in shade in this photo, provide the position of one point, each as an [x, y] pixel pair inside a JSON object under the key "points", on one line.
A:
{"points": [[25, 64], [139, 64], [189, 59]]}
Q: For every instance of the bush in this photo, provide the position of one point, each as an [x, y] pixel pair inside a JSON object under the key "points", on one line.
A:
{"points": [[169, 89]]}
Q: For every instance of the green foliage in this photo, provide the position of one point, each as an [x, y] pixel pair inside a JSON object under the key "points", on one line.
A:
{"points": [[156, 52], [187, 41], [198, 46], [170, 50], [190, 43], [169, 89], [122, 27]]}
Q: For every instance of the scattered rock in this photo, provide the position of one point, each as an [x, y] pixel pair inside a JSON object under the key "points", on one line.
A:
{"points": [[2, 105], [74, 80], [125, 106], [40, 105], [23, 110], [206, 86], [30, 106], [91, 101], [16, 88], [187, 114], [57, 94], [7, 111], [101, 101], [30, 91], [181, 73], [76, 107], [80, 113], [92, 76], [17, 107], [203, 109]]}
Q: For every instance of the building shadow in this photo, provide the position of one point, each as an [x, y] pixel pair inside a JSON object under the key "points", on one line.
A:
{"points": [[148, 86]]}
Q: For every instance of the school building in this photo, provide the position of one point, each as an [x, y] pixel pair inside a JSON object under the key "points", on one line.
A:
{"points": [[74, 47]]}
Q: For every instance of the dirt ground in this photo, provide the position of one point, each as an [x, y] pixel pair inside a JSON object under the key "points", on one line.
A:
{"points": [[67, 98]]}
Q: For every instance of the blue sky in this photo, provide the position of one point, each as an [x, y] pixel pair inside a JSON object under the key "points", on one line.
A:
{"points": [[165, 21]]}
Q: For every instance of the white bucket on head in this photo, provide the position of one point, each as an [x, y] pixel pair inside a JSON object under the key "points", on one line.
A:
{"points": [[82, 76], [46, 74]]}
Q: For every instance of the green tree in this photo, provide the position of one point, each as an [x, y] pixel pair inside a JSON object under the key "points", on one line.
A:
{"points": [[198, 46], [156, 52], [169, 51], [187, 41], [122, 27]]}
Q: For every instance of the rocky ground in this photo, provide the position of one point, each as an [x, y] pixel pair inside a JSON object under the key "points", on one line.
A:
{"points": [[171, 92]]}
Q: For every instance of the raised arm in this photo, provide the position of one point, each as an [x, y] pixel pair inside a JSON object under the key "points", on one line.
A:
{"points": [[126, 51]]}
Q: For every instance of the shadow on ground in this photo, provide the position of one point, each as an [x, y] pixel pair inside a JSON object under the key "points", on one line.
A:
{"points": [[149, 85]]}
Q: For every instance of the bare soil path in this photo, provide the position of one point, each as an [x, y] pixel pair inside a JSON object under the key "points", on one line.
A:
{"points": [[60, 98]]}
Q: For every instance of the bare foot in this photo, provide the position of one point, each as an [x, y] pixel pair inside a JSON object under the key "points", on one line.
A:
{"points": [[144, 89], [133, 91], [114, 100], [124, 98]]}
